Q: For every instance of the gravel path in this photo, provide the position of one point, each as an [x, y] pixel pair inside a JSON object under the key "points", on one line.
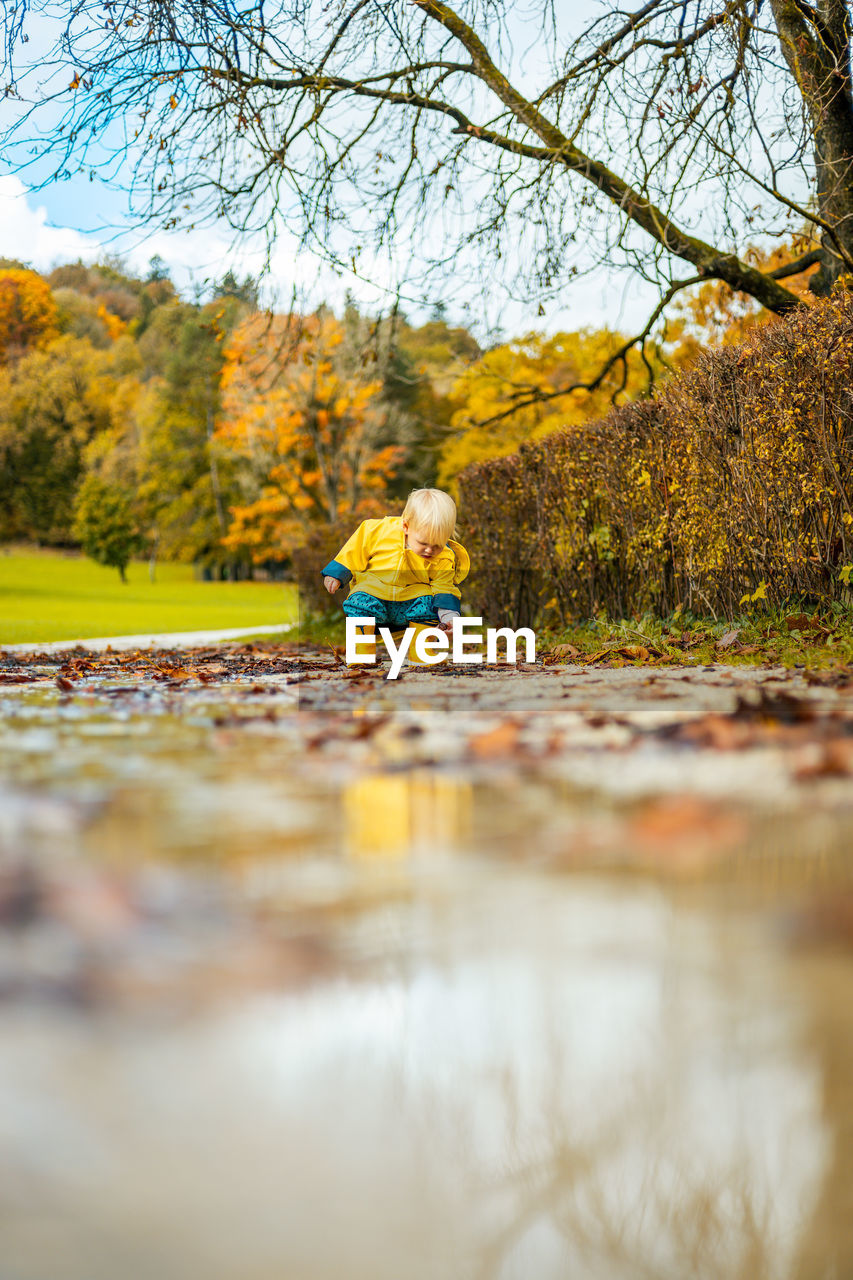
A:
{"points": [[169, 640]]}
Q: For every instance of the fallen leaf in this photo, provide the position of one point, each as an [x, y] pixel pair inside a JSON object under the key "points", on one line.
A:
{"points": [[828, 921], [366, 726], [637, 651], [500, 741], [797, 621], [721, 733], [684, 834], [726, 641], [775, 705], [561, 651], [835, 760]]}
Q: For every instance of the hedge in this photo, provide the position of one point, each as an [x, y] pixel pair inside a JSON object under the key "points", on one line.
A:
{"points": [[736, 478]]}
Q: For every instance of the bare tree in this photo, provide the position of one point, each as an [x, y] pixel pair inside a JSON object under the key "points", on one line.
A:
{"points": [[479, 135]]}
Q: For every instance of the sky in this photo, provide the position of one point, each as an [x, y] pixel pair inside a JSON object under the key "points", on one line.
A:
{"points": [[79, 219], [83, 218]]}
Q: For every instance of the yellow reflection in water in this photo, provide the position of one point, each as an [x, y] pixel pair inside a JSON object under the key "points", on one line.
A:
{"points": [[393, 815]]}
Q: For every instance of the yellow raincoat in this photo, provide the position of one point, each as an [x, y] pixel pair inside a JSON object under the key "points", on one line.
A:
{"points": [[376, 560]]}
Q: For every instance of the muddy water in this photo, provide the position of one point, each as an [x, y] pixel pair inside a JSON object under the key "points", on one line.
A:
{"points": [[279, 999]]}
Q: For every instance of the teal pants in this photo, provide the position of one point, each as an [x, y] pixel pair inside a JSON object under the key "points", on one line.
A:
{"points": [[396, 614]]}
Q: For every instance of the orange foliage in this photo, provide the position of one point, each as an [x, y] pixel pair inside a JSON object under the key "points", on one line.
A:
{"points": [[311, 431], [717, 316], [28, 313], [113, 324]]}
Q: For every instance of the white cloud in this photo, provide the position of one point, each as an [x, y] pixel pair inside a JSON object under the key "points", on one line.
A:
{"points": [[198, 257], [193, 257], [26, 234]]}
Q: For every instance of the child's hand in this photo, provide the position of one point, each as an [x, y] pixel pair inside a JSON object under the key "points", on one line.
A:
{"points": [[331, 584]]}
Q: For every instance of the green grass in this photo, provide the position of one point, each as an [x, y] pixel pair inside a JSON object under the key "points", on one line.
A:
{"points": [[48, 596], [790, 636]]}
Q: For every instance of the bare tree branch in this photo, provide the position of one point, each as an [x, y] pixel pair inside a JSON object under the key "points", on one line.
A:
{"points": [[673, 131], [527, 397]]}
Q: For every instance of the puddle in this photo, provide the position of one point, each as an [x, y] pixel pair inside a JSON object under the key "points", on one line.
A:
{"points": [[279, 1000]]}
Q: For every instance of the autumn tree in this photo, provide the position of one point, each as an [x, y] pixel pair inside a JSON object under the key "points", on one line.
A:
{"points": [[105, 523], [71, 398], [53, 404], [515, 393], [187, 481], [662, 139], [109, 283], [311, 428], [28, 312], [416, 366], [155, 452], [424, 363]]}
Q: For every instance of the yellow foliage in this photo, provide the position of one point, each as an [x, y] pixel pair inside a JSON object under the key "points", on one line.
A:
{"points": [[734, 485], [311, 431], [28, 313], [114, 325], [535, 365], [760, 593], [714, 315]]}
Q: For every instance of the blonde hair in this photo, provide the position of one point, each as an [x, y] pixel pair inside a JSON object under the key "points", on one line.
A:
{"points": [[431, 512]]}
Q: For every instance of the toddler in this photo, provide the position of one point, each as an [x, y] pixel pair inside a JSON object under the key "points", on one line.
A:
{"points": [[404, 569]]}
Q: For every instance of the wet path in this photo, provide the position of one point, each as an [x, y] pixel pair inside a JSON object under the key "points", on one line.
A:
{"points": [[517, 973]]}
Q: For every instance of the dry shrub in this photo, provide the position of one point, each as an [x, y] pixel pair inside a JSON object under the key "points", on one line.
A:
{"points": [[739, 471], [500, 519], [321, 545]]}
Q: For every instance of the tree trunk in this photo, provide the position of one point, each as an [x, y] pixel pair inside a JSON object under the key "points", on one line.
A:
{"points": [[214, 470], [152, 559], [816, 46]]}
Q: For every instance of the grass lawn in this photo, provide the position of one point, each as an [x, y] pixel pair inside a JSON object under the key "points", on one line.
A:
{"points": [[47, 596]]}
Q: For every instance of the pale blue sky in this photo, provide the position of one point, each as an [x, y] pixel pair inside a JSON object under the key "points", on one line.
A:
{"points": [[87, 218]]}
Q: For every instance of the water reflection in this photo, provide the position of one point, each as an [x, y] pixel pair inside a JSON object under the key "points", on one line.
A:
{"points": [[393, 815], [384, 1024], [544, 1080]]}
